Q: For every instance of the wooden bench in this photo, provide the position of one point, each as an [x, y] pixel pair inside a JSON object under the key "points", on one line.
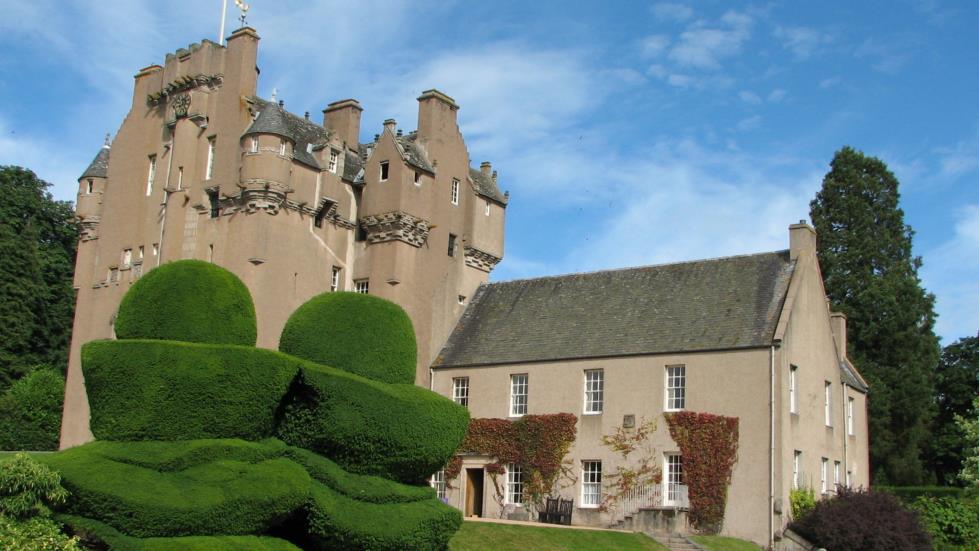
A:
{"points": [[556, 511]]}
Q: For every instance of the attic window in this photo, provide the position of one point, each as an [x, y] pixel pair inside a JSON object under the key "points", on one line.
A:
{"points": [[384, 171], [334, 160]]}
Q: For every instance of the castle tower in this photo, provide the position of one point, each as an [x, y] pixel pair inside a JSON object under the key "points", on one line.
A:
{"points": [[203, 168]]}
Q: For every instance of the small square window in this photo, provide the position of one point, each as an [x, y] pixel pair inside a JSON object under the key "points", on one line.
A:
{"points": [[362, 286], [384, 171]]}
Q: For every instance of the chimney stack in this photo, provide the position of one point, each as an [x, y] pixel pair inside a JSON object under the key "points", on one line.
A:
{"points": [[343, 118], [837, 321], [390, 125], [486, 168], [436, 115], [802, 239]]}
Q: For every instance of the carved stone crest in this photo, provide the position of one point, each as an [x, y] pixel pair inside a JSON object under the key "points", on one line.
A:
{"points": [[180, 105]]}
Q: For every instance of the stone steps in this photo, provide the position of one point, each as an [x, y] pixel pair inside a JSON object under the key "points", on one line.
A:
{"points": [[676, 542]]}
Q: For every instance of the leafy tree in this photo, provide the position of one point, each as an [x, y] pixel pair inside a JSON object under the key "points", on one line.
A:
{"points": [[956, 384], [37, 253], [871, 275], [970, 452]]}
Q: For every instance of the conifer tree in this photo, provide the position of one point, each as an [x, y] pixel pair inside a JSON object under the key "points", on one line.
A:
{"points": [[871, 275], [37, 254], [956, 385]]}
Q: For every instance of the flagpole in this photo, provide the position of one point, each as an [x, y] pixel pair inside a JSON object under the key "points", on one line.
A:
{"points": [[224, 15]]}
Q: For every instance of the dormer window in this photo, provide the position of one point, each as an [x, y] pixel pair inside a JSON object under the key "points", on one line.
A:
{"points": [[384, 171], [334, 160]]}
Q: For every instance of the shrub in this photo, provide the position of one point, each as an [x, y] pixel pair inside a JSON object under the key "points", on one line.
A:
{"points": [[858, 520], [97, 535], [337, 522], [908, 494], [30, 412], [224, 496], [188, 300], [359, 333], [34, 534], [802, 501], [164, 390], [28, 488], [401, 432], [949, 521]]}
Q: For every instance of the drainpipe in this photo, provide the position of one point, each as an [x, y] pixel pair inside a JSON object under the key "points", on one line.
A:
{"points": [[771, 451], [846, 432], [166, 195]]}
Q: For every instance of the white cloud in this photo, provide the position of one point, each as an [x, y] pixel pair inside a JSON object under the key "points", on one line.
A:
{"points": [[951, 271], [672, 11], [886, 57], [777, 95], [803, 42], [704, 47], [654, 45], [748, 96], [959, 159], [750, 123], [830, 82], [20, 148]]}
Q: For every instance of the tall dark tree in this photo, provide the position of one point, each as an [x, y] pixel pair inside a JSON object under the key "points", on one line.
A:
{"points": [[37, 254], [872, 276], [956, 385]]}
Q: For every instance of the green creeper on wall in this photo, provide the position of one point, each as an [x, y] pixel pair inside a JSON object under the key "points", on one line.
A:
{"points": [[325, 444]]}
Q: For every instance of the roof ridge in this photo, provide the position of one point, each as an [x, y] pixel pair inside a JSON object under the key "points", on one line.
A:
{"points": [[646, 266]]}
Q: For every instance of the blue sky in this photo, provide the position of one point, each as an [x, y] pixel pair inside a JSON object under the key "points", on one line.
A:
{"points": [[627, 133]]}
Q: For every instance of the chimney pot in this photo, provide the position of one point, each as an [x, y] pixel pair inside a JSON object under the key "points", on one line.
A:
{"points": [[494, 176], [377, 137], [399, 132], [307, 115], [486, 168], [390, 124], [282, 103]]}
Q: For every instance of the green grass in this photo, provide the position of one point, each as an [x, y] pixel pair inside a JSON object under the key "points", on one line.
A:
{"points": [[477, 536], [720, 543]]}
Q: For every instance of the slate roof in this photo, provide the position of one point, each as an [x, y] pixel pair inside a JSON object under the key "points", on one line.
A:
{"points": [[274, 119], [99, 167], [713, 304], [851, 377], [486, 187], [413, 154], [353, 165]]}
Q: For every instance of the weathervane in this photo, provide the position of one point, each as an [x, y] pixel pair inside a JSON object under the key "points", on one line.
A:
{"points": [[244, 11]]}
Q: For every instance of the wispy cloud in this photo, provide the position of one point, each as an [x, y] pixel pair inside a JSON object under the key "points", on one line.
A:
{"points": [[959, 159], [654, 45], [704, 47], [672, 11], [803, 42], [951, 271]]}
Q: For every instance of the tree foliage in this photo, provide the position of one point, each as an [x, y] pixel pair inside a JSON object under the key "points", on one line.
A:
{"points": [[956, 384], [37, 255], [871, 275], [970, 452]]}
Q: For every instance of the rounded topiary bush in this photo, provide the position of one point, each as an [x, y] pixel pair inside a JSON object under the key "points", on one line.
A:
{"points": [[191, 301], [359, 333]]}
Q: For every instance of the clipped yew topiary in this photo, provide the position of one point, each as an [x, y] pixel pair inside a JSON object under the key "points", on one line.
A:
{"points": [[190, 301], [355, 332]]}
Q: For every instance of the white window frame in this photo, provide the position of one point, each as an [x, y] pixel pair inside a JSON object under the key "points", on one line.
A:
{"points": [[828, 403], [519, 394], [460, 391], [151, 175], [836, 475], [454, 198], [486, 211], [254, 145], [334, 161], [793, 389], [362, 286], [514, 484], [209, 168], [594, 391], [335, 279], [823, 468], [438, 482], [156, 249], [796, 472], [672, 477], [591, 483], [384, 171], [849, 415], [675, 387]]}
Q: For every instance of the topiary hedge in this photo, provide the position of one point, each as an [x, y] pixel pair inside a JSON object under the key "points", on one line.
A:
{"points": [[159, 390], [355, 332], [191, 301], [99, 535], [30, 412], [401, 432]]}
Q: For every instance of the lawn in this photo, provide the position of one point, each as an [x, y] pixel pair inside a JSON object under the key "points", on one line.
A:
{"points": [[477, 536], [720, 543]]}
